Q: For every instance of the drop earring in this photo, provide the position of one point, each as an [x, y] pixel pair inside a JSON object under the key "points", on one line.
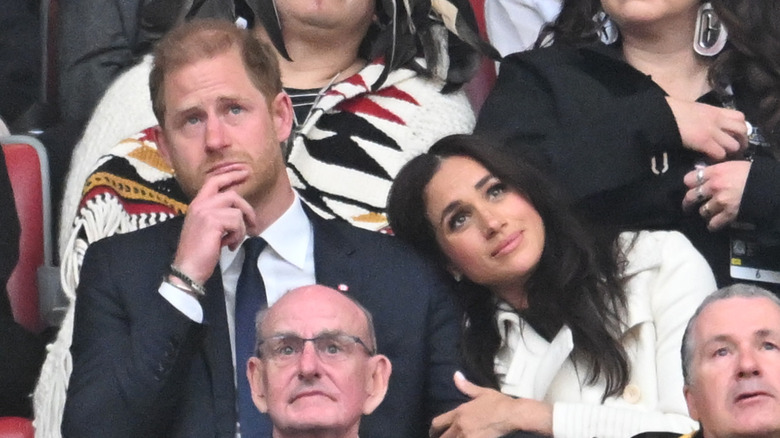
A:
{"points": [[608, 33], [710, 35]]}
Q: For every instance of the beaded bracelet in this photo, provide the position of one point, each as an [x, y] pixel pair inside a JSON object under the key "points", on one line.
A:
{"points": [[196, 287]]}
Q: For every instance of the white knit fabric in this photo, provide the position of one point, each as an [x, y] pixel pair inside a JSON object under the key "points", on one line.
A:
{"points": [[125, 109], [392, 125]]}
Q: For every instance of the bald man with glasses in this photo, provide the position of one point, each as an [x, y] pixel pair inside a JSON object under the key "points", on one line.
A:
{"points": [[316, 370]]}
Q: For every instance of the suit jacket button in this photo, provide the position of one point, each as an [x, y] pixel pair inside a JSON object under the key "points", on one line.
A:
{"points": [[632, 394]]}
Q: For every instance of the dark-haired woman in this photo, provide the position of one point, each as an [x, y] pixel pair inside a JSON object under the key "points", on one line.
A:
{"points": [[569, 333], [641, 116]]}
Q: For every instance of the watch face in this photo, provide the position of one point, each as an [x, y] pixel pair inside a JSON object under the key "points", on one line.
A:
{"points": [[754, 257]]}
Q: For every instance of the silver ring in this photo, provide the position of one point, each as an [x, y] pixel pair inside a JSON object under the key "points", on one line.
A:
{"points": [[700, 176], [699, 194]]}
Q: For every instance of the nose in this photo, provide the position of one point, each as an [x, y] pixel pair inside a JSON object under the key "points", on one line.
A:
{"points": [[309, 362], [215, 134], [748, 366], [491, 223]]}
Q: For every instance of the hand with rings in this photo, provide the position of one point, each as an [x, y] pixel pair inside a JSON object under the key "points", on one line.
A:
{"points": [[699, 183], [717, 191], [704, 211]]}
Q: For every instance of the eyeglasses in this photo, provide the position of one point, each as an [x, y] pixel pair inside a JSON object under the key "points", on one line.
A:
{"points": [[330, 347]]}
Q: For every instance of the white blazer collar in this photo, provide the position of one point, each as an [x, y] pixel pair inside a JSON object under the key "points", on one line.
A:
{"points": [[526, 363]]}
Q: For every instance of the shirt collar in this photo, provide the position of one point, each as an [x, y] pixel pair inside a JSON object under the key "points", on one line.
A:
{"points": [[508, 322], [289, 236]]}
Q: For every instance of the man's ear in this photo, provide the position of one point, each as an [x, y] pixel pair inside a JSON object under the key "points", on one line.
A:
{"points": [[254, 373], [377, 380], [690, 400], [162, 145], [282, 116]]}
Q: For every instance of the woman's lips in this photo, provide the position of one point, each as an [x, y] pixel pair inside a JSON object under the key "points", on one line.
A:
{"points": [[508, 244]]}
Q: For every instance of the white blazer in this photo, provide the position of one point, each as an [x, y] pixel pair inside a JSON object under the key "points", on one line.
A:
{"points": [[666, 281]]}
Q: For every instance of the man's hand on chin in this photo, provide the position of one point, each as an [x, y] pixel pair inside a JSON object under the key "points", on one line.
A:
{"points": [[216, 217]]}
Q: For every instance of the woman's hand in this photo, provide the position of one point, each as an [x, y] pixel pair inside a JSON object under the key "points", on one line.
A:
{"points": [[715, 132], [719, 193], [491, 414]]}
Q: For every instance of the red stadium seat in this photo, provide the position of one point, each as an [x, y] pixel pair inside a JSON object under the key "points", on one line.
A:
{"points": [[16, 427], [479, 87], [28, 170]]}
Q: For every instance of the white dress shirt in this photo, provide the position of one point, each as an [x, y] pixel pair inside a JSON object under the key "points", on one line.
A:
{"points": [[286, 263], [514, 25]]}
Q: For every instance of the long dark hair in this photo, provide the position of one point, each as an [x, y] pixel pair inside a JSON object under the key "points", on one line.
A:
{"points": [[751, 58], [574, 26], [577, 282]]}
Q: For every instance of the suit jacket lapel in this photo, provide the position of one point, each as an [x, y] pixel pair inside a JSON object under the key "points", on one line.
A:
{"points": [[334, 263], [216, 349]]}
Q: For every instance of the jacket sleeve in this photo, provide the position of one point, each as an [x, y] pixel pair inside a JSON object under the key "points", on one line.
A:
{"points": [[760, 203], [669, 287], [594, 122], [128, 368], [442, 395], [96, 44], [20, 58]]}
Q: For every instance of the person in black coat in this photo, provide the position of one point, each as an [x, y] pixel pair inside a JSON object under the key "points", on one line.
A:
{"points": [[20, 58], [645, 131]]}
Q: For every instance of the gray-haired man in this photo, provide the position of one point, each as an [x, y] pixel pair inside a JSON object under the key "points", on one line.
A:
{"points": [[731, 365]]}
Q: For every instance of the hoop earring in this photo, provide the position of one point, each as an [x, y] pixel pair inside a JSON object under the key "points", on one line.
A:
{"points": [[608, 32], [710, 35]]}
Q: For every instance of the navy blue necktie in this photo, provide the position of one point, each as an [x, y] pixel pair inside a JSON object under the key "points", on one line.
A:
{"points": [[250, 298]]}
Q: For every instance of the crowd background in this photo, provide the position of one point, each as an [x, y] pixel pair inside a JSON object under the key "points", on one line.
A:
{"points": [[663, 150]]}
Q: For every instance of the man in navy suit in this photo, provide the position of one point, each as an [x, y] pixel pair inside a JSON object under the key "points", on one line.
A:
{"points": [[154, 328]]}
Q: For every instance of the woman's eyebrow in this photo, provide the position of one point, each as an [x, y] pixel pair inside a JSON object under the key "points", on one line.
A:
{"points": [[452, 206], [455, 204], [483, 181]]}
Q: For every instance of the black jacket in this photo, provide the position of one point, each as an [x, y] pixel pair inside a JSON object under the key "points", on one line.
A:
{"points": [[605, 131], [98, 40]]}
